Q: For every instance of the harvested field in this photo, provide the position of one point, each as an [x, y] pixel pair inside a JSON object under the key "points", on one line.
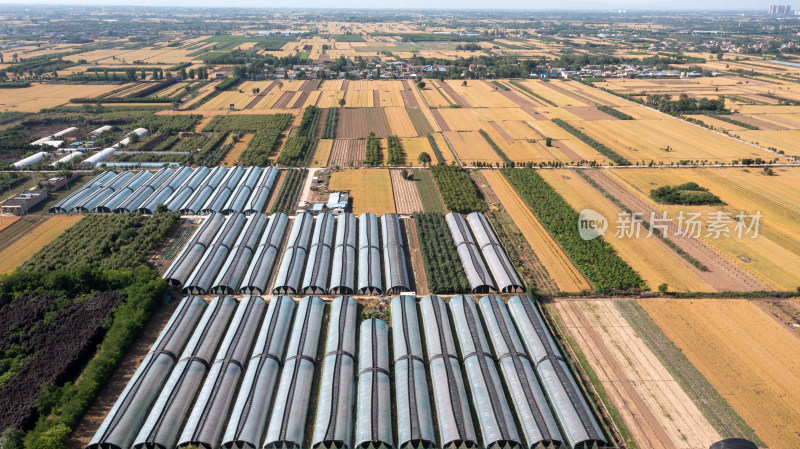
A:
{"points": [[772, 260], [653, 405], [457, 99], [40, 96], [263, 93], [471, 147], [434, 98], [322, 153], [370, 189], [7, 220], [359, 122], [655, 262], [559, 267], [589, 113], [409, 99], [400, 123], [748, 357], [284, 100], [33, 239], [348, 153], [414, 146], [232, 157], [406, 194]]}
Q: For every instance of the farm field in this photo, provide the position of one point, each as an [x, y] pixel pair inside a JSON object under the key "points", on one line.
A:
{"points": [[774, 256], [649, 257], [7, 220], [413, 147], [370, 189], [34, 239], [232, 156], [40, 96], [560, 268], [748, 357], [347, 153], [653, 405], [323, 153], [406, 195]]}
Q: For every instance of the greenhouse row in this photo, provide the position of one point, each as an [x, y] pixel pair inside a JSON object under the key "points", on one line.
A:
{"points": [[482, 256], [238, 253], [190, 191], [242, 375]]}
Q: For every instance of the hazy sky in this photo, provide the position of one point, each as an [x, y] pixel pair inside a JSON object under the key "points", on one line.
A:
{"points": [[439, 4]]}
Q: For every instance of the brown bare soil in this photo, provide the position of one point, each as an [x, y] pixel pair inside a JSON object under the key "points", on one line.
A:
{"points": [[637, 415], [457, 99], [259, 97], [501, 131], [301, 100], [406, 195], [359, 122], [589, 113], [440, 120], [722, 274], [348, 153], [418, 267], [309, 86], [409, 99], [283, 101]]}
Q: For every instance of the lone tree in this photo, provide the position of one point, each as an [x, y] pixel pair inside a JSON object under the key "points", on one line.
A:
{"points": [[424, 158], [548, 142], [341, 102], [421, 84]]}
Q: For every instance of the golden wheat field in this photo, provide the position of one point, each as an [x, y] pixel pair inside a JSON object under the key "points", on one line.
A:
{"points": [[41, 96], [745, 354], [655, 262], [370, 189], [29, 244], [774, 256]]}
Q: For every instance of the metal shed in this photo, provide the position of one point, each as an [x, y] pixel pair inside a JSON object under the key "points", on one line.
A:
{"points": [[230, 275], [263, 188], [537, 421], [257, 275], [343, 270], [203, 191], [207, 419], [216, 202], [124, 192], [184, 263], [84, 192], [129, 411], [294, 256], [186, 189], [287, 423], [334, 422], [414, 418], [477, 274], [315, 281], [202, 278], [166, 418], [450, 397], [494, 254], [374, 403], [165, 190], [570, 407], [369, 255], [488, 399], [244, 189], [248, 421], [132, 203]]}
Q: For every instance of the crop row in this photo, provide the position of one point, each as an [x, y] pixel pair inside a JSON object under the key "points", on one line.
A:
{"points": [[525, 89], [614, 112], [247, 123], [373, 156], [443, 268], [506, 161], [602, 149], [331, 119], [596, 259], [395, 150], [459, 192], [290, 191], [436, 151], [264, 142]]}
